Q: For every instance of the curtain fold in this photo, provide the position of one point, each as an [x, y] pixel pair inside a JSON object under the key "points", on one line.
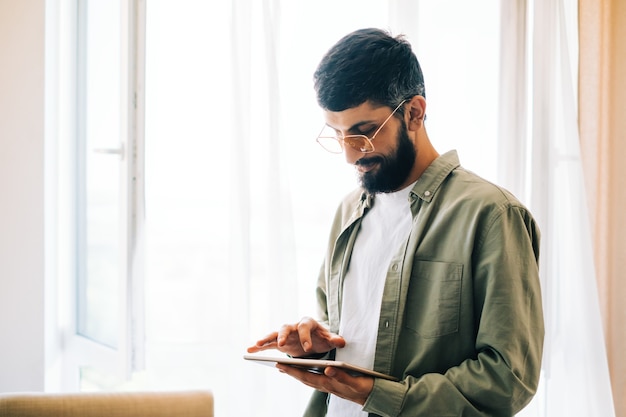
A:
{"points": [[602, 94], [575, 378], [513, 102], [239, 248], [261, 241]]}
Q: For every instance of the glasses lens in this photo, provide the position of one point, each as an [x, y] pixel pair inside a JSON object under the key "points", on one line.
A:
{"points": [[359, 142], [330, 143]]}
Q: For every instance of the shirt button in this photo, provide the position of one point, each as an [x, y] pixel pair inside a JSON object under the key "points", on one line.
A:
{"points": [[427, 193], [394, 267]]}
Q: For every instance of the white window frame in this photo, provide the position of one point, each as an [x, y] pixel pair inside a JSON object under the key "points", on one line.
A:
{"points": [[77, 350]]}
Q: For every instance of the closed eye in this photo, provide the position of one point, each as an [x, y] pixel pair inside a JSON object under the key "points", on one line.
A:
{"points": [[367, 130]]}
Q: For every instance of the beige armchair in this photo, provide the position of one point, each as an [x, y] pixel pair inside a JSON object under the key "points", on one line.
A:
{"points": [[112, 404]]}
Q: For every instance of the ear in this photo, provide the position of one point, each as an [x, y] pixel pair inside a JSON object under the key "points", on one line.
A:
{"points": [[417, 112]]}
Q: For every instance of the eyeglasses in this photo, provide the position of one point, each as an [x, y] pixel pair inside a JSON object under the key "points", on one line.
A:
{"points": [[335, 144]]}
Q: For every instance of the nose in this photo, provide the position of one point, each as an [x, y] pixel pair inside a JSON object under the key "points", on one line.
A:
{"points": [[351, 154]]}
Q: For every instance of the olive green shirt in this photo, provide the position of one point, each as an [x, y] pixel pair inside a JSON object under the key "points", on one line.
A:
{"points": [[461, 322]]}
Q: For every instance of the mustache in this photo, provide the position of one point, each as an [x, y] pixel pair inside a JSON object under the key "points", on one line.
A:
{"points": [[368, 160]]}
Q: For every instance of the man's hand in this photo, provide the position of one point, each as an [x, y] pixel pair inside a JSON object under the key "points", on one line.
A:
{"points": [[334, 381], [301, 339]]}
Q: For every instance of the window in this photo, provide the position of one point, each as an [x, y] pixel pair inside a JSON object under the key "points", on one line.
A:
{"points": [[98, 184]]}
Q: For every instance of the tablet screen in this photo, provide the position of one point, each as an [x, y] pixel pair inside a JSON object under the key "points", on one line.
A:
{"points": [[318, 365]]}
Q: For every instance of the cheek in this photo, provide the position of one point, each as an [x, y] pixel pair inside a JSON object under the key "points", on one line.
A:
{"points": [[385, 147]]}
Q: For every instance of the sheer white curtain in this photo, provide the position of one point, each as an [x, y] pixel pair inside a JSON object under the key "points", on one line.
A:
{"points": [[239, 196], [548, 174]]}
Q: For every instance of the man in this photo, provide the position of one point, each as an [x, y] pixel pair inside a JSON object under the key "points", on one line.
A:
{"points": [[431, 272]]}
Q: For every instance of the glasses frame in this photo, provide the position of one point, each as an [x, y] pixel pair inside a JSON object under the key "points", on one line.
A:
{"points": [[354, 140]]}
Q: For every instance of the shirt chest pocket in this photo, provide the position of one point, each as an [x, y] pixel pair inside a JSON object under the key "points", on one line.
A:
{"points": [[434, 298]]}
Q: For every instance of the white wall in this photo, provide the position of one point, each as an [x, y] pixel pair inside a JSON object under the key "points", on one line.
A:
{"points": [[22, 265]]}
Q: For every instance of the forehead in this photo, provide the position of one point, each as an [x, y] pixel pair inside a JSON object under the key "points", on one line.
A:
{"points": [[366, 112]]}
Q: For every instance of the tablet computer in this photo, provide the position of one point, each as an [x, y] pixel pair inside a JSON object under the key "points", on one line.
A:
{"points": [[317, 365]]}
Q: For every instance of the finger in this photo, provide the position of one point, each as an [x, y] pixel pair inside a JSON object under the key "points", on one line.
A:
{"points": [[266, 346], [356, 388], [320, 382], [337, 341], [283, 334], [310, 379], [339, 375], [270, 338], [268, 342], [333, 340], [305, 327]]}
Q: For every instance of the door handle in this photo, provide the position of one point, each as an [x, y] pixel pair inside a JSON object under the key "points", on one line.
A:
{"points": [[111, 151]]}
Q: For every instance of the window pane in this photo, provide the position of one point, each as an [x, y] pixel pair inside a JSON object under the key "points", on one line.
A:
{"points": [[99, 185]]}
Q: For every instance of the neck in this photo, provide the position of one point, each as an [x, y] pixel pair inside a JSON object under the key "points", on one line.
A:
{"points": [[426, 154]]}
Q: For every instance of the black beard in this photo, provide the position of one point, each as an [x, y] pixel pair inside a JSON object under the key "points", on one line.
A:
{"points": [[394, 169]]}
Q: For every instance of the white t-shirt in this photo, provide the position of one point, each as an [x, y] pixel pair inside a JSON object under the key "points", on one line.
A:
{"points": [[384, 229]]}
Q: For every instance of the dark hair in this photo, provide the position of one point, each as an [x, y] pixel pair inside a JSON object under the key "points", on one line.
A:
{"points": [[368, 64]]}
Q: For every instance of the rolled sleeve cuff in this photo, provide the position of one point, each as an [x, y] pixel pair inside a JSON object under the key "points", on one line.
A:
{"points": [[386, 398]]}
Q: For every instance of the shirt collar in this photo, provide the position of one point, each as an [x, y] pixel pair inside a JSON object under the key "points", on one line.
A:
{"points": [[430, 180]]}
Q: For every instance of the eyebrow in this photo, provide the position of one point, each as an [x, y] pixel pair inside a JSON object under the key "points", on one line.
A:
{"points": [[355, 127]]}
